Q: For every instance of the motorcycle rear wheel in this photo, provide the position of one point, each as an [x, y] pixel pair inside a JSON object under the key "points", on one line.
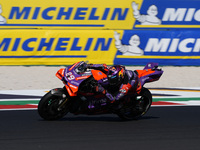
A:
{"points": [[138, 108], [53, 107]]}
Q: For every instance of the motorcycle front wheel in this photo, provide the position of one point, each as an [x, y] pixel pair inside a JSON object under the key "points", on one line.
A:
{"points": [[137, 107], [53, 107]]}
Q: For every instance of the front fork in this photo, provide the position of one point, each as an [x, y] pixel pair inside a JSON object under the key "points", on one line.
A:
{"points": [[63, 97]]}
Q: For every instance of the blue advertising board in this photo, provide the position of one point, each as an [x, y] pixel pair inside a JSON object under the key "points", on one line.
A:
{"points": [[138, 47], [166, 14]]}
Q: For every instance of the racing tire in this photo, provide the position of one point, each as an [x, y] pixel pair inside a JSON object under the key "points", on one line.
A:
{"points": [[138, 107], [53, 107]]}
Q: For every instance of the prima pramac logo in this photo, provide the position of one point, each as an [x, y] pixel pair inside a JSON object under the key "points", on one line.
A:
{"points": [[2, 19]]}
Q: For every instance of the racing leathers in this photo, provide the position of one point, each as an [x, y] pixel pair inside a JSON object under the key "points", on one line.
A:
{"points": [[115, 93]]}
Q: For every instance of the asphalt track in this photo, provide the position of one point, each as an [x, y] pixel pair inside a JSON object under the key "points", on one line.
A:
{"points": [[162, 128]]}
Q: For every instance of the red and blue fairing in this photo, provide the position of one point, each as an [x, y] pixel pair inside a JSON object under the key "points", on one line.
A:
{"points": [[75, 74], [150, 73]]}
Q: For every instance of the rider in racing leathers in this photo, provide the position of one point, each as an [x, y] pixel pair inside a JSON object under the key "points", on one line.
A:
{"points": [[118, 82]]}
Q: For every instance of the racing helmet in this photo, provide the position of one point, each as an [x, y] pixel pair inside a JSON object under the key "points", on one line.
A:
{"points": [[116, 74]]}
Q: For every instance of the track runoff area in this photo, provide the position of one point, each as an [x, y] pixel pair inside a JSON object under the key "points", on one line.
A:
{"points": [[28, 99]]}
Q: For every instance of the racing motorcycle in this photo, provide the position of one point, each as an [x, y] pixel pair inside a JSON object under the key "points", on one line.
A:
{"points": [[78, 96]]}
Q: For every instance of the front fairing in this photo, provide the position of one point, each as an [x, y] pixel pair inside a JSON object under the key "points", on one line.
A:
{"points": [[73, 79]]}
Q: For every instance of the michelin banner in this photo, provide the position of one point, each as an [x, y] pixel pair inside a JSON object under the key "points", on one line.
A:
{"points": [[174, 48], [68, 14], [126, 47], [166, 14], [100, 14], [56, 47]]}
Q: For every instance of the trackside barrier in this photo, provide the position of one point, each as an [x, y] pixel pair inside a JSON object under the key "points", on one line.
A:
{"points": [[131, 32], [129, 47]]}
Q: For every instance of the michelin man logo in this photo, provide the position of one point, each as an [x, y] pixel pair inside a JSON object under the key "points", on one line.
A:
{"points": [[2, 19], [150, 18], [129, 50]]}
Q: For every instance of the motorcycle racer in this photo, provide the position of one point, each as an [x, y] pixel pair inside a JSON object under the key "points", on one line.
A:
{"points": [[127, 96], [118, 83]]}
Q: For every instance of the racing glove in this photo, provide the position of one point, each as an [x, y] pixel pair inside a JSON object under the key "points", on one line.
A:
{"points": [[97, 66], [89, 66]]}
